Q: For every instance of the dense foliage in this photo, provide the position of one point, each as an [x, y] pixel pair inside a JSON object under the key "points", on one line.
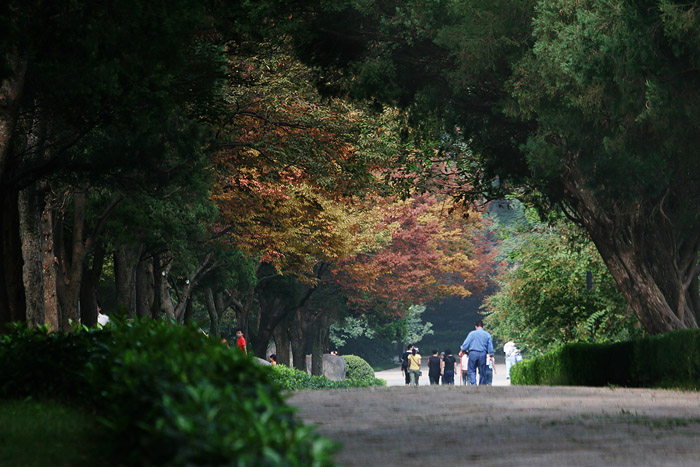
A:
{"points": [[668, 360], [168, 394], [554, 290]]}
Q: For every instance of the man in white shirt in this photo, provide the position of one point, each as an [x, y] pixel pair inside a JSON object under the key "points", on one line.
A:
{"points": [[510, 350]]}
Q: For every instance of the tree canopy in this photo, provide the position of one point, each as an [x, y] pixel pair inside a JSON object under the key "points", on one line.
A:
{"points": [[588, 107]]}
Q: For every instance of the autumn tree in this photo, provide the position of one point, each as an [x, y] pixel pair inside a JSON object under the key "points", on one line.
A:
{"points": [[427, 253], [588, 107], [289, 166]]}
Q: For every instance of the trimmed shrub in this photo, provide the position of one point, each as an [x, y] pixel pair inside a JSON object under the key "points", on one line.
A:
{"points": [[171, 396], [670, 360], [357, 368], [292, 379]]}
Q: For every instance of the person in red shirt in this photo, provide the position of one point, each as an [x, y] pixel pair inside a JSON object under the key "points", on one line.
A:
{"points": [[240, 341]]}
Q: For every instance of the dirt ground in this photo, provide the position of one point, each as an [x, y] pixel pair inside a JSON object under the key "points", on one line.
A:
{"points": [[507, 425]]}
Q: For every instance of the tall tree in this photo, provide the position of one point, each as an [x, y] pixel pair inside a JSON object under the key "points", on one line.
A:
{"points": [[615, 89]]}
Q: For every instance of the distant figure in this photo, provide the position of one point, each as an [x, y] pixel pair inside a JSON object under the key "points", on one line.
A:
{"points": [[334, 352], [414, 367], [464, 365], [490, 369], [510, 350], [404, 363], [447, 367], [479, 346], [434, 368], [240, 341], [102, 320], [224, 341], [273, 360]]}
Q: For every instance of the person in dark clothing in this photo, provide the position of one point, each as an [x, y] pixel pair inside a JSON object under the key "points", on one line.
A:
{"points": [[404, 363], [448, 364], [434, 368]]}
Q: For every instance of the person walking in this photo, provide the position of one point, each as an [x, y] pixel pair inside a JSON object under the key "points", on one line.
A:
{"points": [[240, 341], [447, 368], [404, 363], [479, 347], [510, 350], [464, 366], [490, 369], [414, 367], [434, 368]]}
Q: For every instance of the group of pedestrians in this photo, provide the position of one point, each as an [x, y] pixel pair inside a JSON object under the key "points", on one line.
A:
{"points": [[475, 354]]}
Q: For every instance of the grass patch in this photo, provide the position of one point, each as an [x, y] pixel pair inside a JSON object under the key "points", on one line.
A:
{"points": [[43, 433]]}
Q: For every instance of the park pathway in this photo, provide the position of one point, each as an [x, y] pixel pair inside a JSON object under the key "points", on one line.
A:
{"points": [[507, 425]]}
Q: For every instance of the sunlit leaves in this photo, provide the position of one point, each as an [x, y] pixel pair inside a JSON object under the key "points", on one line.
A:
{"points": [[430, 255]]}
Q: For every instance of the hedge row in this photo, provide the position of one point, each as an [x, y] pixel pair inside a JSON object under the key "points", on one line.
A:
{"points": [[169, 395], [291, 379], [670, 360]]}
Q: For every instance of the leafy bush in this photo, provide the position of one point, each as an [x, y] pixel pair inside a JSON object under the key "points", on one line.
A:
{"points": [[169, 395], [34, 362], [291, 379], [357, 368]]}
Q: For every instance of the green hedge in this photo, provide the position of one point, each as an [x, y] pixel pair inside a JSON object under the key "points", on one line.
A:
{"points": [[670, 360], [357, 368], [291, 379], [169, 395]]}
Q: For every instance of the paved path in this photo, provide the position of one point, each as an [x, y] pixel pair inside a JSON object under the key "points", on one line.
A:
{"points": [[507, 425]]}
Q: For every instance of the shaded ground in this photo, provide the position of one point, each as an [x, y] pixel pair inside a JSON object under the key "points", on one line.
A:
{"points": [[507, 425]]}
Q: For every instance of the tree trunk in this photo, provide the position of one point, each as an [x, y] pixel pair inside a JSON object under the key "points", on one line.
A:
{"points": [[126, 258], [157, 308], [320, 328], [653, 262], [144, 288], [31, 204], [214, 324], [70, 262], [30, 209], [189, 311], [281, 336], [298, 340], [50, 264], [272, 311], [12, 304], [72, 256], [178, 312], [88, 287], [242, 306], [166, 299]]}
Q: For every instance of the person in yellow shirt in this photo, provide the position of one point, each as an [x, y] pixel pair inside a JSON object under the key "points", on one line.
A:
{"points": [[414, 367]]}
